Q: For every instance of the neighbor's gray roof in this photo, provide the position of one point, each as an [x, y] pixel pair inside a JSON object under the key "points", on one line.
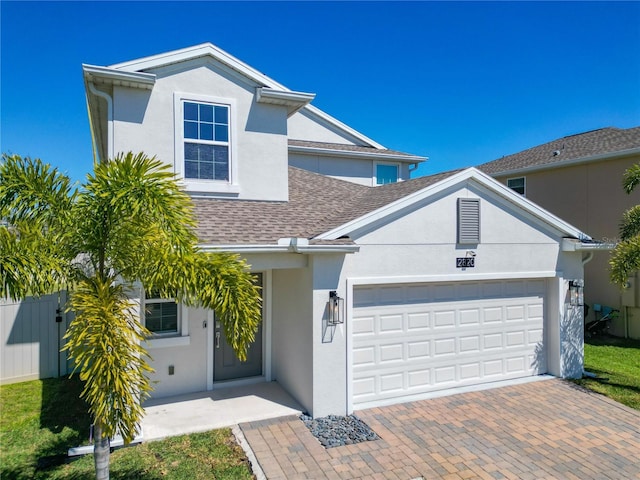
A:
{"points": [[573, 147], [317, 204]]}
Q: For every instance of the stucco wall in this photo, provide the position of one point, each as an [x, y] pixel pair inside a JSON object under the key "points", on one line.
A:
{"points": [[423, 241], [304, 126], [144, 121], [360, 171], [330, 349], [589, 196], [189, 361], [292, 335]]}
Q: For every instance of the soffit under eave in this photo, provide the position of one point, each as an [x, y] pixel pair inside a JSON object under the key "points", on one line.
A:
{"points": [[98, 118]]}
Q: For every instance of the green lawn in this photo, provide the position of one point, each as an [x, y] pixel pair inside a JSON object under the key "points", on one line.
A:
{"points": [[40, 420], [616, 362]]}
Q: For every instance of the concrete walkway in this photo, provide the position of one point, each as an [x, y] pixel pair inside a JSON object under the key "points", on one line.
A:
{"points": [[226, 407], [542, 430]]}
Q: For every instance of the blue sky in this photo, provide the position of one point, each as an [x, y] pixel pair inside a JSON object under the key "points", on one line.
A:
{"points": [[461, 83]]}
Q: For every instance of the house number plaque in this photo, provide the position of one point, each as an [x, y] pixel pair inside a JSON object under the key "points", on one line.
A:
{"points": [[465, 262]]}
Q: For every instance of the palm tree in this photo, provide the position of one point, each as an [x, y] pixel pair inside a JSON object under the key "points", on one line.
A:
{"points": [[625, 258], [129, 224]]}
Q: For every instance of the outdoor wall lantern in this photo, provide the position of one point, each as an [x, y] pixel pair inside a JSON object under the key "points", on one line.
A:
{"points": [[576, 292], [336, 307]]}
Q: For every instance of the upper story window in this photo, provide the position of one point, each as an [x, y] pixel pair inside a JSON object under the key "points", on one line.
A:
{"points": [[387, 173], [206, 143], [517, 184]]}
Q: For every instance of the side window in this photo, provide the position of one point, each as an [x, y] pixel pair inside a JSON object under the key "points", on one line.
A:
{"points": [[387, 173], [161, 315], [517, 184], [468, 221]]}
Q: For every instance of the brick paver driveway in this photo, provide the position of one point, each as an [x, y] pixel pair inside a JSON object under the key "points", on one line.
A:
{"points": [[545, 429]]}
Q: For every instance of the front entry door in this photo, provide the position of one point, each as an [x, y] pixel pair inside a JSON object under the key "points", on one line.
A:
{"points": [[226, 365]]}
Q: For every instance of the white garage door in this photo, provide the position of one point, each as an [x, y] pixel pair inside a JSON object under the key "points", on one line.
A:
{"points": [[410, 339]]}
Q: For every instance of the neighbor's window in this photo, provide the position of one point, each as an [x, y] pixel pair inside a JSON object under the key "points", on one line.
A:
{"points": [[468, 220], [517, 185], [161, 314], [206, 141], [387, 173]]}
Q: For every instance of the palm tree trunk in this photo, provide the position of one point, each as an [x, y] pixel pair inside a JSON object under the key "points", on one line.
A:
{"points": [[101, 451]]}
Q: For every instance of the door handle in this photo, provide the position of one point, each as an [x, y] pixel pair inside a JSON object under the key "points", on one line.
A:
{"points": [[217, 339]]}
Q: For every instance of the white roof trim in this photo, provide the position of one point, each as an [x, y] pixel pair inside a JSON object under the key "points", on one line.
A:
{"points": [[294, 101], [107, 75], [465, 175], [269, 248], [333, 121], [573, 245], [331, 152], [568, 163], [208, 49]]}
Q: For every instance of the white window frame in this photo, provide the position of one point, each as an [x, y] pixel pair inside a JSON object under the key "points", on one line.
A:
{"points": [[392, 164], [524, 185], [168, 339], [199, 185]]}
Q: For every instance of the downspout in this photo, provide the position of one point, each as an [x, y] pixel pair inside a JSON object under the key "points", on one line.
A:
{"points": [[109, 101]]}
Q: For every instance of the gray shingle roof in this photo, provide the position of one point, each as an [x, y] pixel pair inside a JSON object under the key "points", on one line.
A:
{"points": [[340, 147], [573, 147], [317, 204]]}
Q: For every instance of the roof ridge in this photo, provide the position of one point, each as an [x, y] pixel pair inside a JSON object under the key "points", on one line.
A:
{"points": [[591, 131]]}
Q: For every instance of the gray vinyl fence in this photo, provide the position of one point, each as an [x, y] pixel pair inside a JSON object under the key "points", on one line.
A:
{"points": [[31, 339]]}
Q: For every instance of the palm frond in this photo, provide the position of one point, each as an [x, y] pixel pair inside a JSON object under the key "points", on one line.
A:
{"points": [[631, 178], [105, 341], [630, 224]]}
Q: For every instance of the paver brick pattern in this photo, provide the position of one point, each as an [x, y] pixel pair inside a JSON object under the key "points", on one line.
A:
{"points": [[549, 429]]}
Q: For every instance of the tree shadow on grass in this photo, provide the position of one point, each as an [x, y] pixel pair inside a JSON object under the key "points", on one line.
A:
{"points": [[610, 340]]}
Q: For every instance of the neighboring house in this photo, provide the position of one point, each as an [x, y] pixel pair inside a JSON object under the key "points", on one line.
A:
{"points": [[579, 179], [372, 294]]}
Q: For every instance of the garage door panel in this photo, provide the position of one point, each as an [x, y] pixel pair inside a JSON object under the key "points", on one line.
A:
{"points": [[391, 353], [419, 378], [419, 350], [363, 325], [436, 341], [390, 323], [418, 321], [470, 317], [469, 344], [364, 356]]}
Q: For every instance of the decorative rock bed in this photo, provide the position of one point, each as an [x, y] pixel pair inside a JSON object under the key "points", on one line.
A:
{"points": [[336, 430]]}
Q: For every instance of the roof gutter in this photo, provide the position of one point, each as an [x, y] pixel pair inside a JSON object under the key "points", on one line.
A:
{"points": [[284, 245], [110, 76], [329, 152], [575, 245], [294, 101], [109, 100]]}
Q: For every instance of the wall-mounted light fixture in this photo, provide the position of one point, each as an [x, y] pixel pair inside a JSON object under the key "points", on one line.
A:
{"points": [[576, 292], [336, 308]]}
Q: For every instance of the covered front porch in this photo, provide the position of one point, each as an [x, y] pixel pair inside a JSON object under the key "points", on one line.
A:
{"points": [[218, 408]]}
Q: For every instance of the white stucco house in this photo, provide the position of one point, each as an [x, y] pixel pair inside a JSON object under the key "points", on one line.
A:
{"points": [[436, 283]]}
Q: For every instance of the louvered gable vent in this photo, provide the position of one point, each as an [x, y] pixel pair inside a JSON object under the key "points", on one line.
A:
{"points": [[468, 220]]}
